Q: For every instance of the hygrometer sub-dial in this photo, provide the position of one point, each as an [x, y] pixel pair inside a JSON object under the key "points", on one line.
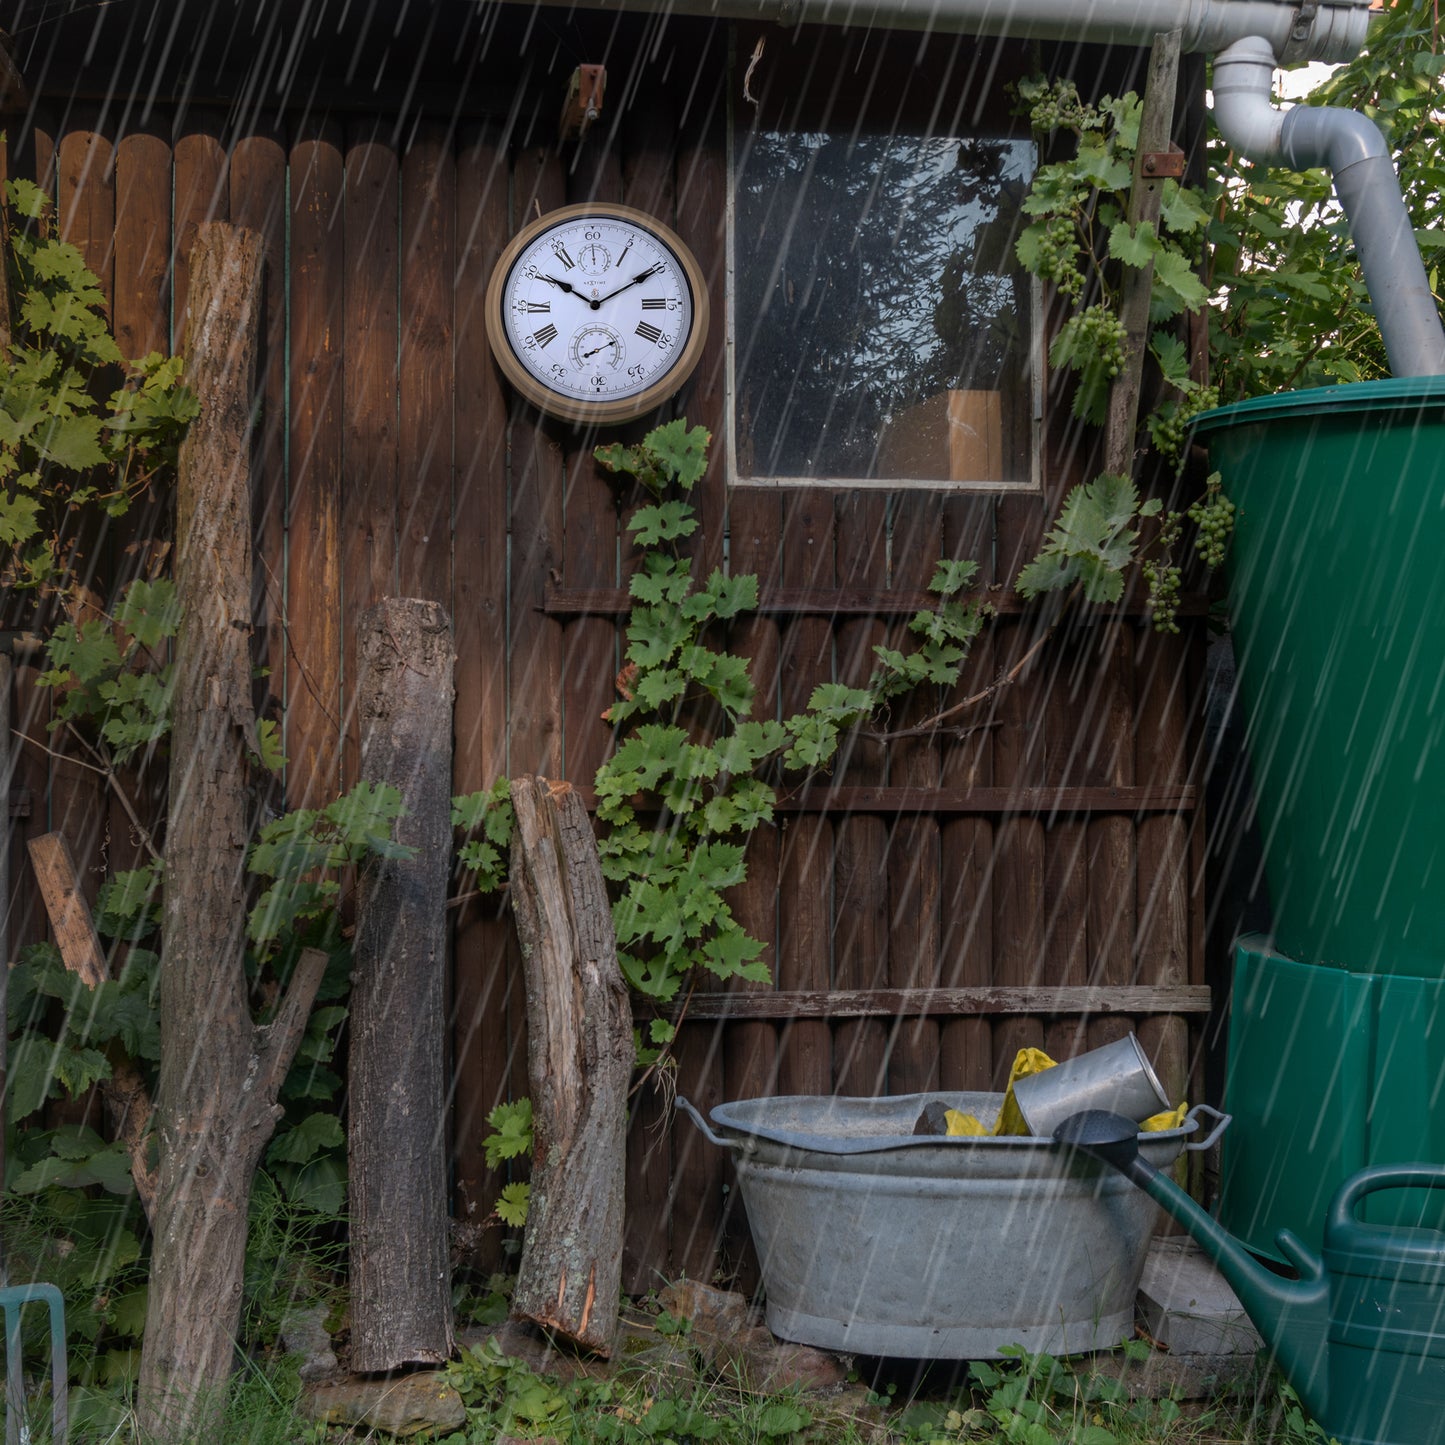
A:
{"points": [[594, 259], [595, 346]]}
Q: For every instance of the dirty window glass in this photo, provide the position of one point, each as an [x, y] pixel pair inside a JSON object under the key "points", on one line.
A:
{"points": [[883, 331]]}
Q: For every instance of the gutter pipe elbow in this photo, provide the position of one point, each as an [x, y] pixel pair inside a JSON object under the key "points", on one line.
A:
{"points": [[1351, 146]]}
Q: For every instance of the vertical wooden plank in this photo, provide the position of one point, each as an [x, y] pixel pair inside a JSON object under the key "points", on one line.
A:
{"points": [[1110, 840], [966, 845], [860, 841], [590, 530], [479, 608], [141, 314], [371, 384], [428, 276], [915, 846], [1018, 883], [534, 641], [1161, 737], [202, 193], [258, 199], [806, 854], [1071, 718], [313, 568], [702, 205]]}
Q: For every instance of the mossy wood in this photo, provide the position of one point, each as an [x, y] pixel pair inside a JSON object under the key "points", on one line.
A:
{"points": [[401, 1309], [220, 1073], [580, 1060]]}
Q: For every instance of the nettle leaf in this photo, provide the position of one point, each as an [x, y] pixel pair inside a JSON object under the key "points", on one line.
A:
{"points": [[313, 1135], [77, 1069]]}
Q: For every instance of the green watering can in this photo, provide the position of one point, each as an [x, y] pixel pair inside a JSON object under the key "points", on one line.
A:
{"points": [[1361, 1334]]}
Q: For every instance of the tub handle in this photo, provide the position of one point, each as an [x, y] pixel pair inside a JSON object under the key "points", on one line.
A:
{"points": [[701, 1123], [1221, 1123]]}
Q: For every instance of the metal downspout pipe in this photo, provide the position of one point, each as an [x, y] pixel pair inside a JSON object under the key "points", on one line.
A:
{"points": [[1351, 145]]}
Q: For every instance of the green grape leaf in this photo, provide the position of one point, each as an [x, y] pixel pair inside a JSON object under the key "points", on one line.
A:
{"points": [[1134, 246], [513, 1203], [303, 1142], [682, 452]]}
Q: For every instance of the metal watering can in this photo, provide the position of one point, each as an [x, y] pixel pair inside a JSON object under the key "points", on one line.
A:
{"points": [[1361, 1334]]}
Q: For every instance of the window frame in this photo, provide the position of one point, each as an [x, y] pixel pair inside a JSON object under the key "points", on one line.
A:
{"points": [[1036, 368]]}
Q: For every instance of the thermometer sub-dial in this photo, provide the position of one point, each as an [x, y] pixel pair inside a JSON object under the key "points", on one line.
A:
{"points": [[597, 345]]}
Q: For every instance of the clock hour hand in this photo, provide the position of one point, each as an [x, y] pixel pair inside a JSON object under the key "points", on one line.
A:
{"points": [[641, 276], [562, 285]]}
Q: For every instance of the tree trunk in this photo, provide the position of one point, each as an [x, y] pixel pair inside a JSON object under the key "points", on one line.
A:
{"points": [[580, 1059], [219, 1074], [401, 1310]]}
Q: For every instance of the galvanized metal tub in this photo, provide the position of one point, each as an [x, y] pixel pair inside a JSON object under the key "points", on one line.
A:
{"points": [[877, 1241]]}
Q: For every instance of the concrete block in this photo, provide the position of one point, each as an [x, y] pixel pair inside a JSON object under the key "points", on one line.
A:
{"points": [[1187, 1305]]}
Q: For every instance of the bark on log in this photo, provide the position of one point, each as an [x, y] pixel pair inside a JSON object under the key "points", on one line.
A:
{"points": [[401, 1311], [580, 1028], [220, 1073]]}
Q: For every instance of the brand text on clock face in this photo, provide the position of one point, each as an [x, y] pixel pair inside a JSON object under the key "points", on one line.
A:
{"points": [[597, 307]]}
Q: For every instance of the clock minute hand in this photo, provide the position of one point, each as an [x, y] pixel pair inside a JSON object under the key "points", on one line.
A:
{"points": [[641, 276]]}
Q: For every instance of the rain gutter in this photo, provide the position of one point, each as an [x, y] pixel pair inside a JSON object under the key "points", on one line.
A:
{"points": [[1330, 31]]}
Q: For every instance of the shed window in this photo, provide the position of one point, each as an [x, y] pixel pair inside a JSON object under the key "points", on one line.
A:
{"points": [[882, 331]]}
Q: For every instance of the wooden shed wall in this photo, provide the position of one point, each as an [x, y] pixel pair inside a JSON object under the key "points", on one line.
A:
{"points": [[1024, 866]]}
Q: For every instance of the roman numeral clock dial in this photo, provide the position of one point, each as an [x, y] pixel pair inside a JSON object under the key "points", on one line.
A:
{"points": [[596, 314]]}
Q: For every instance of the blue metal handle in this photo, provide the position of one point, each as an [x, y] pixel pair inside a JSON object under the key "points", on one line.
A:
{"points": [[1221, 1123], [702, 1125]]}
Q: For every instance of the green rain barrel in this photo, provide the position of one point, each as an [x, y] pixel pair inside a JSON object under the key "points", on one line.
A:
{"points": [[1337, 606]]}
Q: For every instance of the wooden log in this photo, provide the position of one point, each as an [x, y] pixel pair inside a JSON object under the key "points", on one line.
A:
{"points": [[214, 1119], [580, 1027], [401, 1311], [124, 1095]]}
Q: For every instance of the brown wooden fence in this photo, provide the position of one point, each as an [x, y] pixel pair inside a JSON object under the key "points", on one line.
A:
{"points": [[1030, 877]]}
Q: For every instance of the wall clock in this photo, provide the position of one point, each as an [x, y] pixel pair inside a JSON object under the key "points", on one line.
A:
{"points": [[596, 313]]}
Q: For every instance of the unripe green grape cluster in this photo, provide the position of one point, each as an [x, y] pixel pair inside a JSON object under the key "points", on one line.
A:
{"points": [[1162, 577], [1213, 515], [1103, 335], [1059, 108], [1169, 426], [1058, 257]]}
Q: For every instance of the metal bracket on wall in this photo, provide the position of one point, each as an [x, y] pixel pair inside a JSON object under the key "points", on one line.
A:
{"points": [[583, 102], [1163, 163]]}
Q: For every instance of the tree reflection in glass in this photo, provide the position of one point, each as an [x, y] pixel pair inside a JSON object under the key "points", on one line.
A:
{"points": [[883, 324]]}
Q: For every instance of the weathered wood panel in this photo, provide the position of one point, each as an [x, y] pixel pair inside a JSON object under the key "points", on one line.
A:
{"points": [[313, 600], [481, 1042]]}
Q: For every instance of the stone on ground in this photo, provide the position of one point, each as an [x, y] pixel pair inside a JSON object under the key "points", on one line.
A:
{"points": [[402, 1405]]}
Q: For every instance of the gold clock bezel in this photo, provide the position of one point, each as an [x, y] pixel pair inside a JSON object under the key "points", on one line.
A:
{"points": [[580, 409]]}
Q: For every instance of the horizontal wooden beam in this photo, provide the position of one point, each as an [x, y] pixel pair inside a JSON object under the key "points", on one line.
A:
{"points": [[1002, 802], [941, 1002], [1005, 801], [832, 602]]}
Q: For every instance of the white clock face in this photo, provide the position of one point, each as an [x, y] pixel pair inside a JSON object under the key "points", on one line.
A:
{"points": [[597, 308]]}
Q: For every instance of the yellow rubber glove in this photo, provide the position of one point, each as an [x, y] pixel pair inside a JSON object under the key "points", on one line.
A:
{"points": [[1026, 1061], [963, 1126], [1169, 1119]]}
